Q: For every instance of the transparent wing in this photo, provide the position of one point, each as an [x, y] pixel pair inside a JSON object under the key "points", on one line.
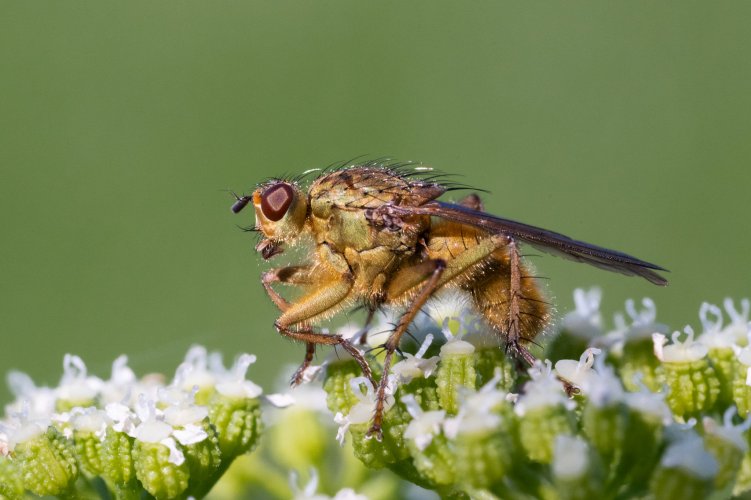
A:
{"points": [[547, 241]]}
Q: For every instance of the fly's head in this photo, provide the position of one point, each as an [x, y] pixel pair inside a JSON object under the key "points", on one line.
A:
{"points": [[281, 209]]}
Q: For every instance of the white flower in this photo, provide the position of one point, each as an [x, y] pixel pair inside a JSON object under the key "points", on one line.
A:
{"points": [[454, 345], [577, 372], [570, 457], [424, 425], [22, 426], [732, 434], [199, 369], [75, 385], [122, 417], [362, 411], [39, 402], [604, 388], [233, 384], [643, 324], [690, 455], [586, 319], [711, 321], [739, 327], [476, 410], [175, 423], [542, 391], [122, 382], [679, 352], [414, 366], [91, 420], [309, 491], [649, 403]]}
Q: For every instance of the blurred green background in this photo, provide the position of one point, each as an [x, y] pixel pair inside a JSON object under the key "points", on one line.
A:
{"points": [[121, 123]]}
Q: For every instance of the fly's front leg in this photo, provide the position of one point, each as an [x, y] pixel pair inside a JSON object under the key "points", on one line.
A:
{"points": [[329, 298], [293, 275], [392, 344]]}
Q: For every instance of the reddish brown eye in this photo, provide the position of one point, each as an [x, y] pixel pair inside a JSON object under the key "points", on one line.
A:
{"points": [[276, 200]]}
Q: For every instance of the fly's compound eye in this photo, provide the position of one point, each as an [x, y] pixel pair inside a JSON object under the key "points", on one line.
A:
{"points": [[275, 201]]}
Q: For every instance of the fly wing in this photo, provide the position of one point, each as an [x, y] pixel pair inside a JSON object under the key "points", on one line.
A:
{"points": [[547, 241]]}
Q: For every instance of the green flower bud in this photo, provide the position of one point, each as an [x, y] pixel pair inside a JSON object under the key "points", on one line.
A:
{"points": [[456, 372], [88, 427], [727, 444], [488, 360], [741, 384], [117, 460], [647, 415], [544, 413], [483, 436], [89, 452], [637, 363], [431, 452], [162, 470], [725, 366], [721, 345], [743, 478], [686, 471], [238, 423], [691, 380], [391, 449], [11, 485], [339, 396], [204, 460], [436, 462], [425, 393], [47, 461], [298, 438]]}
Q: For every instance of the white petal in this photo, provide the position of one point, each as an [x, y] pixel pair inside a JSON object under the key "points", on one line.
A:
{"points": [[175, 455]]}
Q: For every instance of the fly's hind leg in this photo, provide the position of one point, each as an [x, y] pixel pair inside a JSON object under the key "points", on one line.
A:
{"points": [[514, 334]]}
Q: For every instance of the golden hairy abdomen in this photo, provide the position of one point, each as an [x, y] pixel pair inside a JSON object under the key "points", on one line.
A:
{"points": [[489, 283]]}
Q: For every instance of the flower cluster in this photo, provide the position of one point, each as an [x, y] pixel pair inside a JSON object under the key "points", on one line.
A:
{"points": [[652, 416], [126, 435], [655, 414]]}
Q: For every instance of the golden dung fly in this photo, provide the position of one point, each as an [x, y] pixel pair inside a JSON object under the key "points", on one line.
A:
{"points": [[380, 238]]}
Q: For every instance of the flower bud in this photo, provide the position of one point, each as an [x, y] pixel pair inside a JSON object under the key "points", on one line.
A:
{"points": [[741, 384], [544, 413], [89, 426], [488, 360], [433, 458], [686, 471], [161, 468], [11, 485], [238, 424], [576, 475], [692, 383], [721, 345], [456, 372], [117, 459], [47, 461], [727, 444], [339, 396], [204, 459]]}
